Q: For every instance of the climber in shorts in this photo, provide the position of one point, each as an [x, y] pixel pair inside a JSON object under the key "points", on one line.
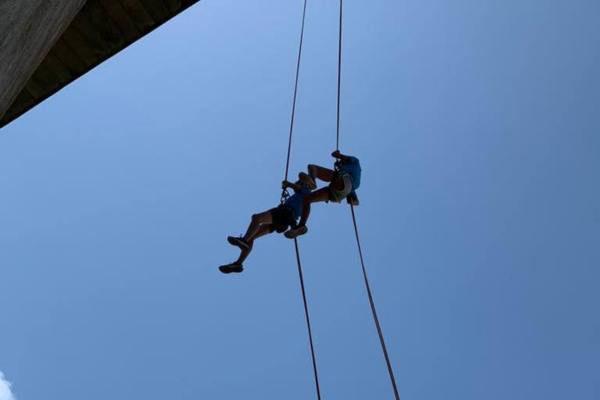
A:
{"points": [[343, 181], [277, 219]]}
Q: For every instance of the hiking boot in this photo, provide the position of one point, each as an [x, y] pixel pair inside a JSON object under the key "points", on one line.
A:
{"points": [[294, 233], [233, 267], [307, 181], [239, 242]]}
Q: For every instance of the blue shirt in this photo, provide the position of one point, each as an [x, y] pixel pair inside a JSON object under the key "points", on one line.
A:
{"points": [[352, 168], [294, 202]]}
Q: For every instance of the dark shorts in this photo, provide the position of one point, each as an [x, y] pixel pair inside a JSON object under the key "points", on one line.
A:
{"points": [[282, 217]]}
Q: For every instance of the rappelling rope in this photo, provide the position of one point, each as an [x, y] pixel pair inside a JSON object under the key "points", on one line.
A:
{"points": [[368, 287], [339, 77], [289, 151], [312, 349], [373, 311], [285, 195]]}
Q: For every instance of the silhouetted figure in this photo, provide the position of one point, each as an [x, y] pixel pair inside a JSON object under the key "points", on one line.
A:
{"points": [[277, 219], [343, 181]]}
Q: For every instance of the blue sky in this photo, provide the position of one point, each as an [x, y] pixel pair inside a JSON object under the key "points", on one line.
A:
{"points": [[477, 127]]}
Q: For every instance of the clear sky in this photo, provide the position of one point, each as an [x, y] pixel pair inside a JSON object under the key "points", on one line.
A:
{"points": [[477, 126]]}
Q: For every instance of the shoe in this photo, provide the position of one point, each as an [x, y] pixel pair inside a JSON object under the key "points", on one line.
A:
{"points": [[294, 233], [239, 242], [307, 181], [233, 267], [353, 199]]}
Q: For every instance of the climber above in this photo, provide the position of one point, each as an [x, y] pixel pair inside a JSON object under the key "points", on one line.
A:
{"points": [[343, 181], [277, 219]]}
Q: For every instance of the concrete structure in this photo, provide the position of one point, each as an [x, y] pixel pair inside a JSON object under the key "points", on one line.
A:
{"points": [[28, 28], [47, 44]]}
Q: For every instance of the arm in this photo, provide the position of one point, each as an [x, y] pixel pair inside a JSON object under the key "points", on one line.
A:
{"points": [[340, 156], [288, 184]]}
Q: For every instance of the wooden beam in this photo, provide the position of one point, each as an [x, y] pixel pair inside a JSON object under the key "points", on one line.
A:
{"points": [[42, 80], [69, 59], [95, 41], [173, 5], [157, 10], [80, 47], [119, 16], [138, 14], [58, 69], [25, 101], [100, 19]]}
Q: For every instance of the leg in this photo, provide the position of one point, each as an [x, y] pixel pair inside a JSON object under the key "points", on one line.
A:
{"points": [[322, 173], [262, 231], [258, 220], [315, 197], [326, 175], [237, 266]]}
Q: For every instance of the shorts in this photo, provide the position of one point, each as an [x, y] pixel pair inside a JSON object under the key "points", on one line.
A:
{"points": [[338, 195], [283, 218]]}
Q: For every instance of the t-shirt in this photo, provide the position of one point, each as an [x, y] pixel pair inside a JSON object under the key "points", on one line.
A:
{"points": [[352, 168], [294, 202]]}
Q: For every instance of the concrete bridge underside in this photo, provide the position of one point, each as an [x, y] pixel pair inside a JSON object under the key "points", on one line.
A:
{"points": [[47, 44]]}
